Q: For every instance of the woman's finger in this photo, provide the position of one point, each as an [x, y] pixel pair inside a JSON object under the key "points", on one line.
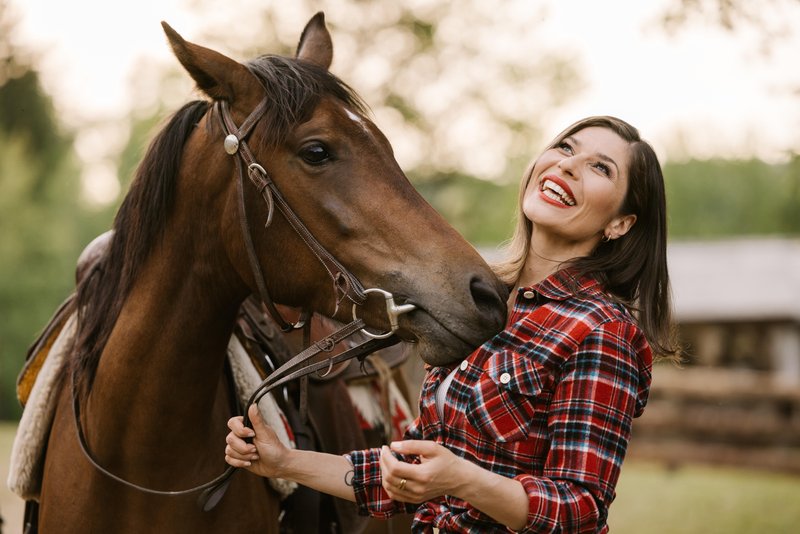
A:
{"points": [[255, 418], [236, 425], [393, 467], [417, 448], [238, 446], [236, 462]]}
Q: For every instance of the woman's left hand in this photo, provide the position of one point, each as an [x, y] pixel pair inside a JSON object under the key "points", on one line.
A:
{"points": [[437, 471]]}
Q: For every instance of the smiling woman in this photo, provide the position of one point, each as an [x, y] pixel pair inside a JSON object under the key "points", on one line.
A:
{"points": [[579, 173]]}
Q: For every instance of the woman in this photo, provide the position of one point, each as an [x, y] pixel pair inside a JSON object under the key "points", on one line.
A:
{"points": [[529, 432]]}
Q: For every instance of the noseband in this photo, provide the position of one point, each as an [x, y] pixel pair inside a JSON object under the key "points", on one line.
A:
{"points": [[346, 286]]}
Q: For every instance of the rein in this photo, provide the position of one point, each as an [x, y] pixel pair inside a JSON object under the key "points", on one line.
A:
{"points": [[299, 366], [346, 285]]}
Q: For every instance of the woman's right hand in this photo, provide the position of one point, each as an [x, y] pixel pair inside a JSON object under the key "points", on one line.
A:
{"points": [[264, 455]]}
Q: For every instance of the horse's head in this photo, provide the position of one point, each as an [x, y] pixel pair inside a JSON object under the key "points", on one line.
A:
{"points": [[337, 172]]}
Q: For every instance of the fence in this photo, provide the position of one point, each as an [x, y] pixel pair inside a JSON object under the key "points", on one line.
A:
{"points": [[720, 416]]}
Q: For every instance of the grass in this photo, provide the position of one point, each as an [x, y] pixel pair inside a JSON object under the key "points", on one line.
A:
{"points": [[650, 499], [700, 499]]}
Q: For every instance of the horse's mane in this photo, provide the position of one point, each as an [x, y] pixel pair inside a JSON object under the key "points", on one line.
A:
{"points": [[294, 89]]}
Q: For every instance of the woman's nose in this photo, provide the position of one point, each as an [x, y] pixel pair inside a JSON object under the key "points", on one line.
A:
{"points": [[568, 164]]}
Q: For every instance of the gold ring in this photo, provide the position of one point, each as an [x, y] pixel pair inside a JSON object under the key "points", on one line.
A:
{"points": [[402, 484]]}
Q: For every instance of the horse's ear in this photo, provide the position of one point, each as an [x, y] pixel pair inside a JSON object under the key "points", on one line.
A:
{"points": [[315, 43], [217, 75]]}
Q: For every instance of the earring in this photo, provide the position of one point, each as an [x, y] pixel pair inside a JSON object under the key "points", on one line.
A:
{"points": [[605, 238]]}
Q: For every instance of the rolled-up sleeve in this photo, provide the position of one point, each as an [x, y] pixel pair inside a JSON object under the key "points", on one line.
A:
{"points": [[371, 498]]}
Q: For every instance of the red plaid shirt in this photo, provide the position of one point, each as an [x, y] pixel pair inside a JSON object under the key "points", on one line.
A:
{"points": [[549, 401]]}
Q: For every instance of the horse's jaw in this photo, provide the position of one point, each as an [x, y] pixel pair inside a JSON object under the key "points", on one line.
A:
{"points": [[440, 345]]}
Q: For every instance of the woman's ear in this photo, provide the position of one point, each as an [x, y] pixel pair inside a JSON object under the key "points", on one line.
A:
{"points": [[619, 226]]}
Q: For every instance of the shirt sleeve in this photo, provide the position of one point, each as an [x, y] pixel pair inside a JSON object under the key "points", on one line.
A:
{"points": [[589, 421], [371, 498]]}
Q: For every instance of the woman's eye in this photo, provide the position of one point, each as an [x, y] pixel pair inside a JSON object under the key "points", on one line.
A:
{"points": [[315, 154], [602, 167], [566, 147]]}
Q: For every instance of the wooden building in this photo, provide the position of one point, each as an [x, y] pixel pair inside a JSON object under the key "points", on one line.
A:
{"points": [[736, 399]]}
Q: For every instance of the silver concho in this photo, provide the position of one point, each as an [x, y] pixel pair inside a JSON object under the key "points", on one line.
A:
{"points": [[231, 144]]}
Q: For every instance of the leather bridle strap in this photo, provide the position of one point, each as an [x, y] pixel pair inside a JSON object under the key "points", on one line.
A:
{"points": [[346, 285]]}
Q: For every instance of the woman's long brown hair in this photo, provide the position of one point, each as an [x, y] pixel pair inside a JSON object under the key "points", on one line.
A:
{"points": [[633, 268]]}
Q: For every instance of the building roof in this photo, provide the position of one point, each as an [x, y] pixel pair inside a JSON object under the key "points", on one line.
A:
{"points": [[736, 279]]}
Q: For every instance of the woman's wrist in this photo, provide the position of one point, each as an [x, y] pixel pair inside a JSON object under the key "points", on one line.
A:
{"points": [[289, 466], [320, 471], [504, 499], [469, 480]]}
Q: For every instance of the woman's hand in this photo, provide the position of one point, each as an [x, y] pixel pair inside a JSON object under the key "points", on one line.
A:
{"points": [[437, 471], [264, 455]]}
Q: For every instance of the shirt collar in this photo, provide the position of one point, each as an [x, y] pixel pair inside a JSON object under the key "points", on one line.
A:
{"points": [[564, 284]]}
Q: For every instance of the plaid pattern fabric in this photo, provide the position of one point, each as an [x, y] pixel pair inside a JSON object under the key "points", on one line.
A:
{"points": [[548, 401]]}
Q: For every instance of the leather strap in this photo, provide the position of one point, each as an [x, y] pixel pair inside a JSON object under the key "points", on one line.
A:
{"points": [[300, 365]]}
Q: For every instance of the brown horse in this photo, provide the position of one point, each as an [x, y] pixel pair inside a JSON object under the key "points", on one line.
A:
{"points": [[191, 243]]}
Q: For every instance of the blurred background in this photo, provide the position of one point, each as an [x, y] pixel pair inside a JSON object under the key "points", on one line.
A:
{"points": [[468, 92]]}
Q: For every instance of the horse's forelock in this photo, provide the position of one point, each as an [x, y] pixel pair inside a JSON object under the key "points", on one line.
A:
{"points": [[294, 88]]}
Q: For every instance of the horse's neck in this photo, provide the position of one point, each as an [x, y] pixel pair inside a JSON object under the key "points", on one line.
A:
{"points": [[160, 372]]}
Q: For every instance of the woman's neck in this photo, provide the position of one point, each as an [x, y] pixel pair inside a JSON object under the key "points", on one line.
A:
{"points": [[546, 256], [537, 267]]}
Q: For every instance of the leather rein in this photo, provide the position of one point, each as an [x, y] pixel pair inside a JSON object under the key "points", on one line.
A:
{"points": [[346, 286]]}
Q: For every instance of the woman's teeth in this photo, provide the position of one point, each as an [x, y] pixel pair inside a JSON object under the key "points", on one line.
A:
{"points": [[556, 192]]}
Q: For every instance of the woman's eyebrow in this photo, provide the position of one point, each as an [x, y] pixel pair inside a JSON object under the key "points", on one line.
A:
{"points": [[608, 159], [600, 155]]}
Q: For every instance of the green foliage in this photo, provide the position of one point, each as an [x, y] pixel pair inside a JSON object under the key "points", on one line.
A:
{"points": [[719, 198], [37, 238], [481, 211], [141, 132]]}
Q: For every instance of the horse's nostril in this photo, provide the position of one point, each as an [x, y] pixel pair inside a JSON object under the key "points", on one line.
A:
{"points": [[488, 301]]}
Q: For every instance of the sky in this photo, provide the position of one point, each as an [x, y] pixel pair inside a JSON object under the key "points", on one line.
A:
{"points": [[701, 92]]}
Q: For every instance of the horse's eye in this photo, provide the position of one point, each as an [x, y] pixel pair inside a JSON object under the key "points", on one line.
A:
{"points": [[315, 154]]}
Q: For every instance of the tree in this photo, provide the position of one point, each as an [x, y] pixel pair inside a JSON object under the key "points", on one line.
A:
{"points": [[719, 198]]}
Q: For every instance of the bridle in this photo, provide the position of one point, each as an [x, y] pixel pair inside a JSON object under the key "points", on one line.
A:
{"points": [[346, 286]]}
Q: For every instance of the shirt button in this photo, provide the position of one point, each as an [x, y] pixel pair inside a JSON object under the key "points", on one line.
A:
{"points": [[464, 365], [505, 378], [529, 294]]}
